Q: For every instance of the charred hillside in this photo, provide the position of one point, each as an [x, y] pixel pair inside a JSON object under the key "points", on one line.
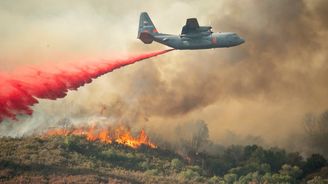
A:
{"points": [[74, 159]]}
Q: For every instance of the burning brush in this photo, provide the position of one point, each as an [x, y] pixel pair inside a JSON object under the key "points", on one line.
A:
{"points": [[120, 134]]}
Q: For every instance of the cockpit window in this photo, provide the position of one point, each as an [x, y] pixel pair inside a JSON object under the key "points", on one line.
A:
{"points": [[234, 35]]}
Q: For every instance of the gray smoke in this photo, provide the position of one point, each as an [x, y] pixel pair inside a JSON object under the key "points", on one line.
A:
{"points": [[261, 89]]}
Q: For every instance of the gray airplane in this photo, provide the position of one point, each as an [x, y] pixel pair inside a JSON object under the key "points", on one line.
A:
{"points": [[192, 36]]}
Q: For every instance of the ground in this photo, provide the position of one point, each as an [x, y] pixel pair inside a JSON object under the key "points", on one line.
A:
{"points": [[73, 159]]}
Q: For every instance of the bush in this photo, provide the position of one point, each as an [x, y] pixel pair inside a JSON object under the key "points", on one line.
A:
{"points": [[189, 174], [196, 168], [230, 178], [109, 154], [215, 180], [246, 179], [144, 165], [130, 156], [176, 164], [153, 172], [281, 178], [295, 172], [317, 180]]}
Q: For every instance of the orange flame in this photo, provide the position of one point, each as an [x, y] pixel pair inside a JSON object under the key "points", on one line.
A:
{"points": [[120, 135]]}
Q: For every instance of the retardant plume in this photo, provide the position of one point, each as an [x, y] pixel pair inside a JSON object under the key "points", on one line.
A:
{"points": [[19, 91]]}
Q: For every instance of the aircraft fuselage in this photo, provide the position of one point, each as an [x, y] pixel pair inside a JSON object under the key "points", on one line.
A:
{"points": [[212, 40], [192, 36]]}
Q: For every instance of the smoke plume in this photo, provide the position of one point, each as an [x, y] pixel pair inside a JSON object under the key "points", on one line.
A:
{"points": [[261, 89]]}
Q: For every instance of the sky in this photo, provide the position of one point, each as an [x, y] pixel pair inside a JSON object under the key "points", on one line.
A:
{"points": [[263, 88]]}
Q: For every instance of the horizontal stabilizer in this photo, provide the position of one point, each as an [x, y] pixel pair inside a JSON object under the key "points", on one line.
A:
{"points": [[146, 37]]}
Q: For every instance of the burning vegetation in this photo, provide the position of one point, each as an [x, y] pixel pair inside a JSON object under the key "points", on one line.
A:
{"points": [[119, 134]]}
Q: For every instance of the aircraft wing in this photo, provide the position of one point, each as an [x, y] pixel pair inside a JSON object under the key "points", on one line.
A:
{"points": [[190, 27]]}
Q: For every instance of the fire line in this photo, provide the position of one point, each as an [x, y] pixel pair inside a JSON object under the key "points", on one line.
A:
{"points": [[120, 134]]}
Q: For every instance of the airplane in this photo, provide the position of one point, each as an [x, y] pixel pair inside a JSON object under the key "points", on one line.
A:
{"points": [[192, 36]]}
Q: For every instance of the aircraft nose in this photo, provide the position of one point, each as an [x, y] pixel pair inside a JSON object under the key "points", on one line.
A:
{"points": [[242, 40]]}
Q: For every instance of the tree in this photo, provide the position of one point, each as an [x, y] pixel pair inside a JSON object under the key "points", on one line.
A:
{"points": [[234, 155], [316, 128], [257, 155], [293, 171], [276, 158], [295, 159], [200, 135], [248, 151], [314, 163], [193, 136]]}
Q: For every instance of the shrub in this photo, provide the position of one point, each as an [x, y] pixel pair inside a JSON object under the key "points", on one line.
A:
{"points": [[130, 155], [317, 180], [189, 174], [176, 164], [109, 154], [230, 178], [196, 168], [144, 165], [153, 172], [215, 180], [294, 171], [281, 178]]}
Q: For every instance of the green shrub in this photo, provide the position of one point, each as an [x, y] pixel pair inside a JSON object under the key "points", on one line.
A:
{"points": [[189, 174], [109, 154], [317, 180], [215, 180], [153, 172], [281, 178], [130, 156], [196, 168], [176, 164], [230, 178], [294, 171], [144, 165]]}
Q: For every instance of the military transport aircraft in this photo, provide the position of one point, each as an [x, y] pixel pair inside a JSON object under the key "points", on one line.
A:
{"points": [[192, 36]]}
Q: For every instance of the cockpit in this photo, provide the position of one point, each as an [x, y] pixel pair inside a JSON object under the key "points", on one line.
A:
{"points": [[235, 39]]}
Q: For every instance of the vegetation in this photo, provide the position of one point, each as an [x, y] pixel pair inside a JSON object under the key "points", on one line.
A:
{"points": [[73, 159]]}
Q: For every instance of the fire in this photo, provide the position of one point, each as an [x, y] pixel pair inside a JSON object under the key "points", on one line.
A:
{"points": [[120, 135]]}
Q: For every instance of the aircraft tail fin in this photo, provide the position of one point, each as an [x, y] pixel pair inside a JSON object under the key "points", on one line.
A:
{"points": [[146, 28]]}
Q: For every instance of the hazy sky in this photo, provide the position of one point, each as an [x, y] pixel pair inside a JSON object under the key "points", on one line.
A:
{"points": [[261, 88]]}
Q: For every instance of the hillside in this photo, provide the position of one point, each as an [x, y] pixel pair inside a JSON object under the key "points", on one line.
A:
{"points": [[73, 159]]}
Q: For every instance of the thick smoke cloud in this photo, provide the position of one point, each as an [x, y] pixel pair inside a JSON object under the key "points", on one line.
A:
{"points": [[262, 88]]}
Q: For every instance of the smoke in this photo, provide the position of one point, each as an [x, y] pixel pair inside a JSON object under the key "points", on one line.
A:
{"points": [[261, 89], [316, 132], [19, 93]]}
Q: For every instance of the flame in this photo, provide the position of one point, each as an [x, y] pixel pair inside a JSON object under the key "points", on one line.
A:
{"points": [[120, 135]]}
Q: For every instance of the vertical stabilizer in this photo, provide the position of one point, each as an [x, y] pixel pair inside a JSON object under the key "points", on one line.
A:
{"points": [[146, 28]]}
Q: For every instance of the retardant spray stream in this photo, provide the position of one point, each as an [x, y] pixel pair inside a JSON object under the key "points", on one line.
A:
{"points": [[19, 91]]}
